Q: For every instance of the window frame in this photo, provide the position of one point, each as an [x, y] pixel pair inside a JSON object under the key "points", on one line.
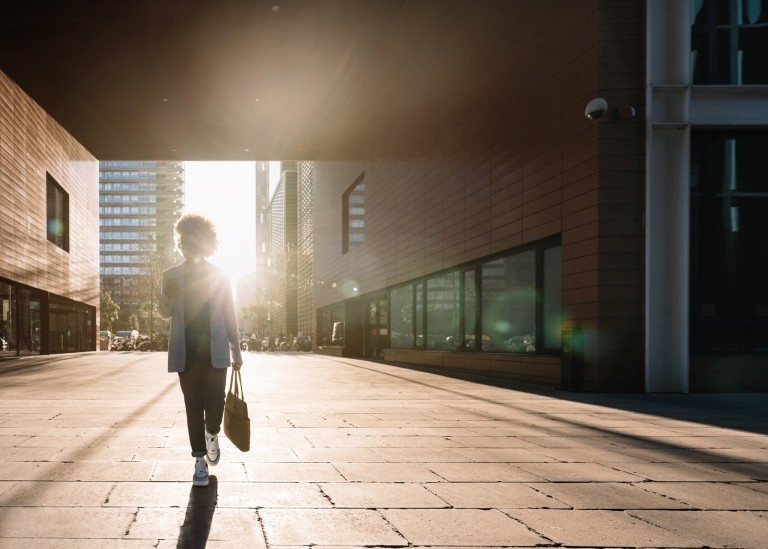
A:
{"points": [[353, 199], [57, 213]]}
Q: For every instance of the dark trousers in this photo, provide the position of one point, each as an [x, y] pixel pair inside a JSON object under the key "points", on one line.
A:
{"points": [[204, 392]]}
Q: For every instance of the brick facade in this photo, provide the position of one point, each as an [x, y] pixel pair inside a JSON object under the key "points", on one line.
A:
{"points": [[520, 162], [32, 145]]}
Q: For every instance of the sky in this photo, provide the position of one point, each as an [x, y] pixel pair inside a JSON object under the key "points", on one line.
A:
{"points": [[224, 192]]}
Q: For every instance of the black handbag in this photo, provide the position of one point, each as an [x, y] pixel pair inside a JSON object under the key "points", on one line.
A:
{"points": [[237, 424]]}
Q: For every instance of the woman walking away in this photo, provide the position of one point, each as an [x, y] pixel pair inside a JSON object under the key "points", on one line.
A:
{"points": [[197, 297]]}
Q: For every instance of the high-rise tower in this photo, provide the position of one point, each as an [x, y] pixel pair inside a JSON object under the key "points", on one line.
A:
{"points": [[139, 201]]}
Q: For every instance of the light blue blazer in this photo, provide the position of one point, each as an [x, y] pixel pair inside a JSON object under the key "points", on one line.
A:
{"points": [[225, 348]]}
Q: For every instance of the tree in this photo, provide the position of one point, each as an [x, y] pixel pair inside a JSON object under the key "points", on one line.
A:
{"points": [[109, 311], [156, 261], [254, 316], [148, 311], [133, 322]]}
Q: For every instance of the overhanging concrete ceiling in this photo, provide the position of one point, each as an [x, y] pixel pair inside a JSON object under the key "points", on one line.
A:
{"points": [[244, 80]]}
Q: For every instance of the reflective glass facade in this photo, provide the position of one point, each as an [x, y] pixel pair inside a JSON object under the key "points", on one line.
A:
{"points": [[729, 42]]}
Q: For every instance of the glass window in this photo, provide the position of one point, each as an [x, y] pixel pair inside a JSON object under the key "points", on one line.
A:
{"points": [[443, 312], [729, 39], [470, 311], [728, 272], [353, 209], [57, 206], [331, 325], [729, 201], [401, 328], [509, 303], [419, 319], [552, 298], [8, 319]]}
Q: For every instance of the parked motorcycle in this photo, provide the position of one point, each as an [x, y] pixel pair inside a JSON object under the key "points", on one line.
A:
{"points": [[302, 343]]}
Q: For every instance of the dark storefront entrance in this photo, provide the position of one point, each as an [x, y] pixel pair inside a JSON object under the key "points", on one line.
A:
{"points": [[35, 322]]}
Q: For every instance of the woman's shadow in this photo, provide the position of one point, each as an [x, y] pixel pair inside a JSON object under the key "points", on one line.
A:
{"points": [[193, 534]]}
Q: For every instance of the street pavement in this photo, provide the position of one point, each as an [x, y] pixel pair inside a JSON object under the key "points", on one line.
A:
{"points": [[352, 453]]}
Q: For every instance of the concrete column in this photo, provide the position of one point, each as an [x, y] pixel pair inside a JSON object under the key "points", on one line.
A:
{"points": [[667, 196]]}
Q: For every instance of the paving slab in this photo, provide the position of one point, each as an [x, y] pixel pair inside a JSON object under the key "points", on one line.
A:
{"points": [[292, 472], [56, 494], [237, 525], [479, 472], [182, 471], [746, 529], [588, 455], [382, 495], [42, 543], [388, 472], [693, 472], [711, 495], [494, 495], [278, 495], [359, 527], [578, 472], [420, 455], [133, 495], [89, 471], [759, 486], [600, 529], [64, 522], [753, 471], [609, 495], [347, 453], [483, 528], [328, 455], [503, 455]]}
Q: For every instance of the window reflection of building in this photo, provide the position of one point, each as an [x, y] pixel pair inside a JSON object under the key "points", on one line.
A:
{"points": [[509, 303], [440, 312], [443, 310], [729, 278], [729, 40]]}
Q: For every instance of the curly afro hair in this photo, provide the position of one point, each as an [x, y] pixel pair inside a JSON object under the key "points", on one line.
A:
{"points": [[196, 235]]}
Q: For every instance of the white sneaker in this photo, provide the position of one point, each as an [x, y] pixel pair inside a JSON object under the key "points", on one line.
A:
{"points": [[201, 472], [212, 446]]}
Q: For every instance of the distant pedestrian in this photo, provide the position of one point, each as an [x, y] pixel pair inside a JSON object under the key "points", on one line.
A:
{"points": [[197, 297]]}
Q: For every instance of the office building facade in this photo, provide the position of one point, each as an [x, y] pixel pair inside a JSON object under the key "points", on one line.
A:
{"points": [[305, 250], [49, 287], [283, 256], [253, 288], [139, 202], [526, 240]]}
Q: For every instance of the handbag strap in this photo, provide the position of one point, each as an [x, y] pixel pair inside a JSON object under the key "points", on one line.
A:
{"points": [[236, 383]]}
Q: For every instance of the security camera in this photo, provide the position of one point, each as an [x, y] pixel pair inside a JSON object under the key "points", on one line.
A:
{"points": [[596, 108]]}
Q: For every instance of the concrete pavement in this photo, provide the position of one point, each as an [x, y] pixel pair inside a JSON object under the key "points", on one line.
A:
{"points": [[94, 453]]}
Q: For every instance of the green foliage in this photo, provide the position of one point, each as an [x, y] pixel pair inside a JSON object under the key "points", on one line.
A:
{"points": [[253, 317], [133, 322], [109, 311]]}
